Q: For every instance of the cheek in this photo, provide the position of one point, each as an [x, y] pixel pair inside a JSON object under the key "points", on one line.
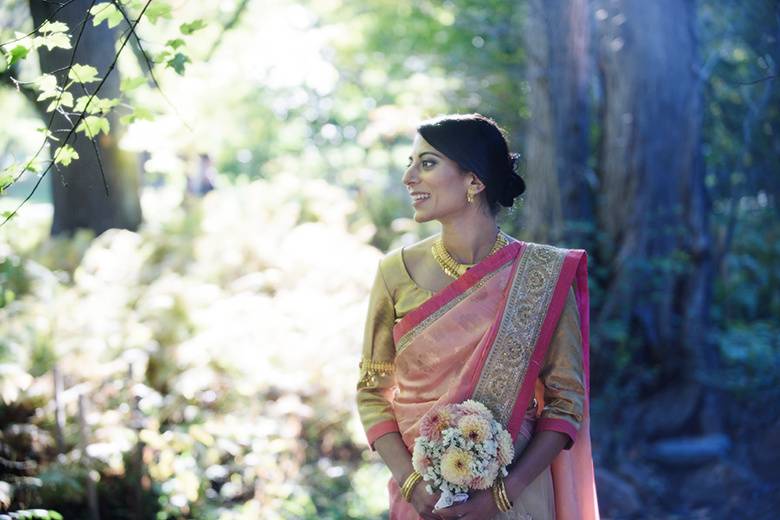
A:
{"points": [[448, 189]]}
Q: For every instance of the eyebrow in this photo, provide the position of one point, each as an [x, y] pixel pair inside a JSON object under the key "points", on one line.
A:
{"points": [[420, 155]]}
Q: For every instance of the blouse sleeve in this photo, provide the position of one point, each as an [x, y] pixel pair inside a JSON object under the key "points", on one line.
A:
{"points": [[377, 371], [562, 376]]}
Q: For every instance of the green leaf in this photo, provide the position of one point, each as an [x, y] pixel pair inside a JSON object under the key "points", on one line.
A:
{"points": [[81, 104], [98, 104], [138, 113], [91, 126], [34, 167], [17, 53], [46, 82], [54, 515], [47, 134], [65, 100], [163, 56], [175, 44], [178, 62], [65, 154], [83, 73], [6, 178], [48, 94], [129, 84], [158, 10], [104, 104], [106, 11], [191, 27], [53, 41], [53, 27]]}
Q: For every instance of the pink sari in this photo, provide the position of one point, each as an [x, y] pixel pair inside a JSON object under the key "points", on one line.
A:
{"points": [[484, 337]]}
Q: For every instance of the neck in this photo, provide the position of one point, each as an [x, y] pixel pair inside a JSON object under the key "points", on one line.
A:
{"points": [[470, 237]]}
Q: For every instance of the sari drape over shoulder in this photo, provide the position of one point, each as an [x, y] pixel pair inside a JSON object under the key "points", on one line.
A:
{"points": [[512, 333]]}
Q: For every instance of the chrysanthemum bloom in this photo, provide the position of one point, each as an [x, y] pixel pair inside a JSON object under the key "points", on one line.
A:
{"points": [[480, 483], [487, 479], [420, 461], [475, 408], [455, 466], [434, 422], [474, 427], [506, 451]]}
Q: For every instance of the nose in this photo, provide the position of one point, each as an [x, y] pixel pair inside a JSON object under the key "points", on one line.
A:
{"points": [[410, 176]]}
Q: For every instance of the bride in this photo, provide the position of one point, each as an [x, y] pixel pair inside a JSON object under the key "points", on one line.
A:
{"points": [[472, 313]]}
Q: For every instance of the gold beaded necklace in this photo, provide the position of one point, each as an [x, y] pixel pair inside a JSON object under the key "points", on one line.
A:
{"points": [[452, 267]]}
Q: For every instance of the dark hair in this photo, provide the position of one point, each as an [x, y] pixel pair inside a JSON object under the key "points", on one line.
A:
{"points": [[478, 145]]}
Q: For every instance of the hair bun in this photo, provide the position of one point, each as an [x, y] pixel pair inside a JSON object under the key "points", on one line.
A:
{"points": [[514, 186]]}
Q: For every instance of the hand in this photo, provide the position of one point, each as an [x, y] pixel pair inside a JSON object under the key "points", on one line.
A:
{"points": [[480, 505], [423, 502]]}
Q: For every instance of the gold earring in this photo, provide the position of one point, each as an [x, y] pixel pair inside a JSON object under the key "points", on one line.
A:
{"points": [[469, 197]]}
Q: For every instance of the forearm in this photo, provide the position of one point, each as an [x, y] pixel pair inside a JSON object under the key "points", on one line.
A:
{"points": [[395, 455], [539, 454]]}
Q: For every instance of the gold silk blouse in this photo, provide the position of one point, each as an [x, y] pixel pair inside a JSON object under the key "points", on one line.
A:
{"points": [[394, 294]]}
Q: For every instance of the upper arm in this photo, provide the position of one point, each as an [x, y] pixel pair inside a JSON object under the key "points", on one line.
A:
{"points": [[562, 374], [377, 364]]}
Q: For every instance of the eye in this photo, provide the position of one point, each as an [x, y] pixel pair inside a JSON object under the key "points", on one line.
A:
{"points": [[428, 164]]}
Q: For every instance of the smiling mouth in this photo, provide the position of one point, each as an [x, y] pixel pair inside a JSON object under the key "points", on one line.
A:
{"points": [[419, 197]]}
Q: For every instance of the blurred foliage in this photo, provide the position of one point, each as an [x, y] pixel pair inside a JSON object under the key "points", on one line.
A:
{"points": [[154, 329]]}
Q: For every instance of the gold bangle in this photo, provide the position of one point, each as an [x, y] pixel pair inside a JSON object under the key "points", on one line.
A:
{"points": [[496, 499], [408, 485], [500, 496], [504, 496]]}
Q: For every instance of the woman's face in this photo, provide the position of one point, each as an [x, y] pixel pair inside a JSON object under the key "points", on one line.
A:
{"points": [[435, 183]]}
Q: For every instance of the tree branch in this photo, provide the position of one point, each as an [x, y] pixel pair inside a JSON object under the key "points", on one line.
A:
{"points": [[20, 38], [148, 62], [82, 115], [51, 119]]}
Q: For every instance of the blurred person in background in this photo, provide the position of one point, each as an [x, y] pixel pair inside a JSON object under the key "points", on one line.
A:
{"points": [[472, 313]]}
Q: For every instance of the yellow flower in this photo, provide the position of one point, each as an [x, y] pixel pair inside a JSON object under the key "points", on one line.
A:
{"points": [[456, 466], [474, 427]]}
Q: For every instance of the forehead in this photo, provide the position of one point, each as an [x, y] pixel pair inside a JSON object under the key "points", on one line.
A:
{"points": [[420, 145]]}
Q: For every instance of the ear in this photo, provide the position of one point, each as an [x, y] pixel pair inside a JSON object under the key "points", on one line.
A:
{"points": [[474, 184]]}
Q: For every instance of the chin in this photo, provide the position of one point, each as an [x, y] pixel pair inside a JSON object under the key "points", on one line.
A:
{"points": [[421, 217]]}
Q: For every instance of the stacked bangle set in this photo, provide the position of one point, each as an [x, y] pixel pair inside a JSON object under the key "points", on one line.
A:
{"points": [[408, 485], [500, 496]]}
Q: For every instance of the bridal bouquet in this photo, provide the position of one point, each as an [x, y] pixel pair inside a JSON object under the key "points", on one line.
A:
{"points": [[461, 447]]}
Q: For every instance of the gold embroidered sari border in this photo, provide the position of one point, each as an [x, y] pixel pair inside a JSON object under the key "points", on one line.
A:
{"points": [[526, 308]]}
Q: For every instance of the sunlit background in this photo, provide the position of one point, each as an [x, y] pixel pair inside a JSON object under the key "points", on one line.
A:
{"points": [[204, 364]]}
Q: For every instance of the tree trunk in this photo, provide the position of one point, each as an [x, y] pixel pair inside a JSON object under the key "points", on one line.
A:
{"points": [[79, 197], [653, 206], [558, 206]]}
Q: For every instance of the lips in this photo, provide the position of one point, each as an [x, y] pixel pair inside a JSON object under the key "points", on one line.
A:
{"points": [[418, 197]]}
